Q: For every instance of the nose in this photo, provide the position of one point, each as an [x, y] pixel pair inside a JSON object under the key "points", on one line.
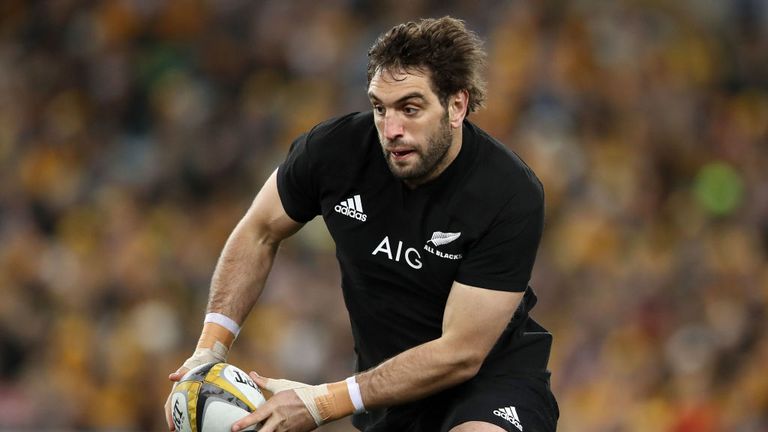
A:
{"points": [[393, 127]]}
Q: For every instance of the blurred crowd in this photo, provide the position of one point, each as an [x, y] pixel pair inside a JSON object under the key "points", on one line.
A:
{"points": [[135, 133]]}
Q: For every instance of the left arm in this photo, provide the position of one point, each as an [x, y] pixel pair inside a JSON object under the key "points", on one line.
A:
{"points": [[473, 320]]}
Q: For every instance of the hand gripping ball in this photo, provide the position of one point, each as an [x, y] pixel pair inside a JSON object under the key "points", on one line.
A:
{"points": [[210, 397]]}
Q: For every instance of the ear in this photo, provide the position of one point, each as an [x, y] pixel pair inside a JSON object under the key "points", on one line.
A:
{"points": [[457, 108]]}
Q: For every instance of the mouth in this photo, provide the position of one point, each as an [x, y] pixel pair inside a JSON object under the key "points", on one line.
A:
{"points": [[401, 153]]}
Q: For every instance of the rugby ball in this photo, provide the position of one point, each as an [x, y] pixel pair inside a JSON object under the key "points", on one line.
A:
{"points": [[210, 397]]}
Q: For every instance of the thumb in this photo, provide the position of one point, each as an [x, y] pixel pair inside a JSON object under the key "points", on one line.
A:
{"points": [[176, 376], [261, 381], [275, 385]]}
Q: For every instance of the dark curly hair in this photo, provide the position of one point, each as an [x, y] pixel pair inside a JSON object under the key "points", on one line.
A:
{"points": [[444, 47]]}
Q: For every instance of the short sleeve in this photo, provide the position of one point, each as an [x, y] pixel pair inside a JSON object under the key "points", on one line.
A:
{"points": [[502, 259], [295, 183]]}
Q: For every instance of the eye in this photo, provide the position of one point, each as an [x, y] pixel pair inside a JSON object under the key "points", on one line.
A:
{"points": [[378, 109], [410, 111]]}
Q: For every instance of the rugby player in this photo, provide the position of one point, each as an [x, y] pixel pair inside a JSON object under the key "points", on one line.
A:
{"points": [[436, 226]]}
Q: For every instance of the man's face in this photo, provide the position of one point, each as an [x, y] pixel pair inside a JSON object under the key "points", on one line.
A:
{"points": [[413, 125]]}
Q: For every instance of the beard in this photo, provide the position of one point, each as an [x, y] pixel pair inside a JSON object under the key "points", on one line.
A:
{"points": [[428, 159]]}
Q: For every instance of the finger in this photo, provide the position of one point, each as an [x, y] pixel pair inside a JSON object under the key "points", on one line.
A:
{"points": [[276, 385], [168, 416], [176, 376], [256, 417], [270, 425], [259, 380]]}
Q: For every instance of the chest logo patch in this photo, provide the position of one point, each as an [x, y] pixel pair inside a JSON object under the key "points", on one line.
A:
{"points": [[352, 207], [440, 238]]}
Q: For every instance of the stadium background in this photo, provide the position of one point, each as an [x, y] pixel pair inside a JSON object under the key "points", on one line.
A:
{"points": [[133, 135]]}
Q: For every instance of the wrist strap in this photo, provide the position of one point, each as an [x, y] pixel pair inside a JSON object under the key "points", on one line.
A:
{"points": [[354, 394], [325, 402], [224, 321]]}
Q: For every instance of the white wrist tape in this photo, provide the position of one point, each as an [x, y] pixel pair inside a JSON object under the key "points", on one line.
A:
{"points": [[306, 393], [310, 395], [324, 402], [224, 321], [354, 394], [215, 354]]}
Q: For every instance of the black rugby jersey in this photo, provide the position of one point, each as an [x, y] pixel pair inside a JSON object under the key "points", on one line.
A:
{"points": [[400, 249]]}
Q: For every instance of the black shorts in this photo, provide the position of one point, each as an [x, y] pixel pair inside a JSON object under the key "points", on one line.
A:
{"points": [[519, 401], [523, 404], [514, 404]]}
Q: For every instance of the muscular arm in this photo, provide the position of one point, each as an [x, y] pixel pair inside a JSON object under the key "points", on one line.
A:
{"points": [[240, 275], [248, 254], [473, 321]]}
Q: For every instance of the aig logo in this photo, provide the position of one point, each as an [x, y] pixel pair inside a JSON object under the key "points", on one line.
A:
{"points": [[410, 255]]}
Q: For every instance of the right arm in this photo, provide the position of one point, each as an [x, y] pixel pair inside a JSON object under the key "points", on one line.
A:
{"points": [[240, 275], [248, 254]]}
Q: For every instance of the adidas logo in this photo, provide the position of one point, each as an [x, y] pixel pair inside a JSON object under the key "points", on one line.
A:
{"points": [[352, 207], [509, 414]]}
